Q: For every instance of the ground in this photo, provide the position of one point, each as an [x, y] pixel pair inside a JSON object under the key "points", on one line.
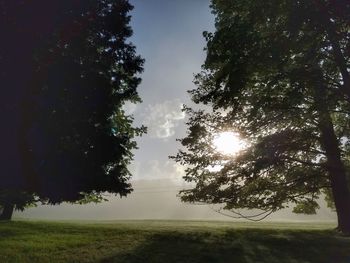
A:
{"points": [[171, 241]]}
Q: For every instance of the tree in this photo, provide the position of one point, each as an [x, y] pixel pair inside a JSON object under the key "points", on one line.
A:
{"points": [[276, 72], [67, 131], [11, 199]]}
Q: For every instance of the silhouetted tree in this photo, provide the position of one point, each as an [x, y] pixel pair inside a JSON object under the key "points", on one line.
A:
{"points": [[11, 199], [276, 72], [66, 70]]}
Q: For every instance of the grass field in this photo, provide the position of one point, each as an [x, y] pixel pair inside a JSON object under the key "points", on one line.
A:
{"points": [[171, 241]]}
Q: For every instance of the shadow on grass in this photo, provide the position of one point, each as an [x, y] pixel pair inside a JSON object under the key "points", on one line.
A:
{"points": [[57, 242], [240, 246]]}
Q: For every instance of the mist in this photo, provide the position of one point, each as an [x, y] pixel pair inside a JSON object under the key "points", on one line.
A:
{"points": [[155, 200]]}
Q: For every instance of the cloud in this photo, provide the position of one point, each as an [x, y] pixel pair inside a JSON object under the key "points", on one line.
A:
{"points": [[161, 119]]}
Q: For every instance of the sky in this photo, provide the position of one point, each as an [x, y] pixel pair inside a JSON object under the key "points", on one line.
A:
{"points": [[168, 34]]}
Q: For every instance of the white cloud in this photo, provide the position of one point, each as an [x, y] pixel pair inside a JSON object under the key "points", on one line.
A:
{"points": [[129, 108], [161, 119]]}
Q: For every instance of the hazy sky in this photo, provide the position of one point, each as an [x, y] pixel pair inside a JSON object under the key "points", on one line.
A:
{"points": [[168, 34]]}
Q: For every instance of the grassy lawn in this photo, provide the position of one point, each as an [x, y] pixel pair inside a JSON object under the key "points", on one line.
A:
{"points": [[171, 241]]}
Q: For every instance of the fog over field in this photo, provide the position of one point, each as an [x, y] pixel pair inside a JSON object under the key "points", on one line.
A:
{"points": [[152, 199]]}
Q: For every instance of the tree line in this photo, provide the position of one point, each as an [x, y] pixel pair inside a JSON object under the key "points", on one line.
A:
{"points": [[276, 72]]}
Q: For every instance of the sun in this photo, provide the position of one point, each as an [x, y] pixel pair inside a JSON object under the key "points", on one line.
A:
{"points": [[228, 143]]}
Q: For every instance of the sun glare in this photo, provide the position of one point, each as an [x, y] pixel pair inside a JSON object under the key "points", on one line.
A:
{"points": [[228, 143]]}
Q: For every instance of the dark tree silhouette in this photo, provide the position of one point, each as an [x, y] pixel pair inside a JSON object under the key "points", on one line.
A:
{"points": [[277, 72], [66, 72]]}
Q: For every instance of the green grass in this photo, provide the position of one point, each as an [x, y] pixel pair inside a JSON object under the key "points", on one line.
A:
{"points": [[171, 241]]}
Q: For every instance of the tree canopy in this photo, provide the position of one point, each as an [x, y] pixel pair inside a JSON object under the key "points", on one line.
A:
{"points": [[277, 73], [67, 69]]}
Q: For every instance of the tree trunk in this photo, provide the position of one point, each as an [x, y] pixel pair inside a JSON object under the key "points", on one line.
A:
{"points": [[7, 212], [337, 174], [335, 165]]}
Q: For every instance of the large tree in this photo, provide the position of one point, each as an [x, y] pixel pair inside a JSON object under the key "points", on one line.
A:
{"points": [[277, 73], [68, 69]]}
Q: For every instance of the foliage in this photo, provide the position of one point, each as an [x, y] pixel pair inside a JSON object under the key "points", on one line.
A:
{"points": [[272, 74], [71, 140], [21, 199]]}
